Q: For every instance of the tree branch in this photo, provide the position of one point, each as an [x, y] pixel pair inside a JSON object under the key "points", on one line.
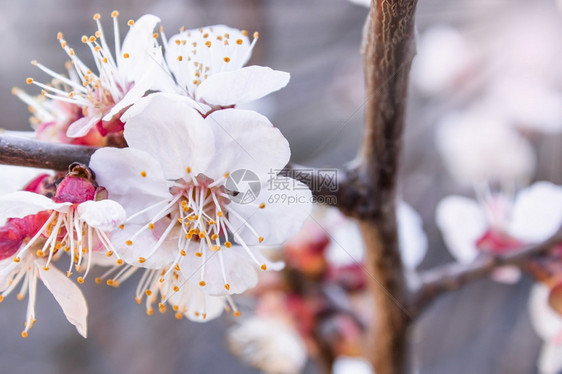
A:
{"points": [[450, 277], [34, 153], [388, 51]]}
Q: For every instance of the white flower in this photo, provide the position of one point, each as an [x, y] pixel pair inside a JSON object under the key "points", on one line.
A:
{"points": [[443, 61], [208, 65], [15, 178], [268, 344], [78, 228], [498, 224], [344, 232], [171, 180], [548, 326], [477, 146], [365, 3], [122, 78], [352, 365]]}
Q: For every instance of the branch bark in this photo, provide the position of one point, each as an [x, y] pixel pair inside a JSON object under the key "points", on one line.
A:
{"points": [[452, 276], [34, 153], [388, 52]]}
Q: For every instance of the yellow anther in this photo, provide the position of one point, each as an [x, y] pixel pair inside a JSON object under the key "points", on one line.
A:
{"points": [[202, 235], [205, 35], [239, 41], [126, 55], [109, 282], [162, 308], [84, 39], [182, 252], [68, 273], [71, 52], [97, 34], [177, 267], [256, 35], [208, 43], [148, 292], [214, 237], [115, 14], [97, 16], [138, 299], [202, 283], [1, 298], [130, 22], [98, 280], [29, 80], [216, 248], [237, 313], [262, 205], [92, 39], [227, 286], [142, 260], [227, 59], [227, 244], [227, 174], [264, 267], [244, 32], [151, 226], [178, 316], [105, 60], [188, 169], [220, 213], [188, 236], [109, 253], [19, 297], [24, 334], [149, 311], [119, 262], [178, 42], [161, 280], [80, 280], [59, 35], [180, 58], [129, 242], [176, 288], [260, 239], [198, 254], [40, 253], [175, 308], [155, 35], [46, 268], [226, 35]]}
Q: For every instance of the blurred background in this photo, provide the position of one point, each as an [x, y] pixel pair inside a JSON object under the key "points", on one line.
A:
{"points": [[473, 54]]}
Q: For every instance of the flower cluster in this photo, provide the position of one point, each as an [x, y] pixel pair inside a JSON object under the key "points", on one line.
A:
{"points": [[162, 195]]}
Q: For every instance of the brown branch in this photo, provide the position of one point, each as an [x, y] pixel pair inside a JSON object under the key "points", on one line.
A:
{"points": [[450, 277], [388, 51], [34, 153]]}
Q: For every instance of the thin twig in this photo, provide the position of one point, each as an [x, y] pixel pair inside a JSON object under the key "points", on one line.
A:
{"points": [[450, 277]]}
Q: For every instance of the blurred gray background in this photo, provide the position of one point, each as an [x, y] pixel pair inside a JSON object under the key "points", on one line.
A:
{"points": [[482, 328]]}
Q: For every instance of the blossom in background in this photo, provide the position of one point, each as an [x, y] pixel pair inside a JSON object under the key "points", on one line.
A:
{"points": [[478, 147], [444, 61], [181, 213], [548, 326], [208, 65], [320, 295], [268, 344], [122, 78], [497, 223], [39, 229]]}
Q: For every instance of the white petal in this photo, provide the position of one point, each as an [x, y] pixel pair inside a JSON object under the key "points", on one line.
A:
{"points": [[506, 274], [22, 203], [175, 134], [198, 303], [143, 246], [119, 171], [284, 213], [537, 212], [105, 215], [412, 238], [241, 86], [246, 140], [241, 271], [138, 43], [462, 223], [546, 322], [550, 358], [15, 178], [68, 295], [346, 244], [349, 365], [81, 126]]}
